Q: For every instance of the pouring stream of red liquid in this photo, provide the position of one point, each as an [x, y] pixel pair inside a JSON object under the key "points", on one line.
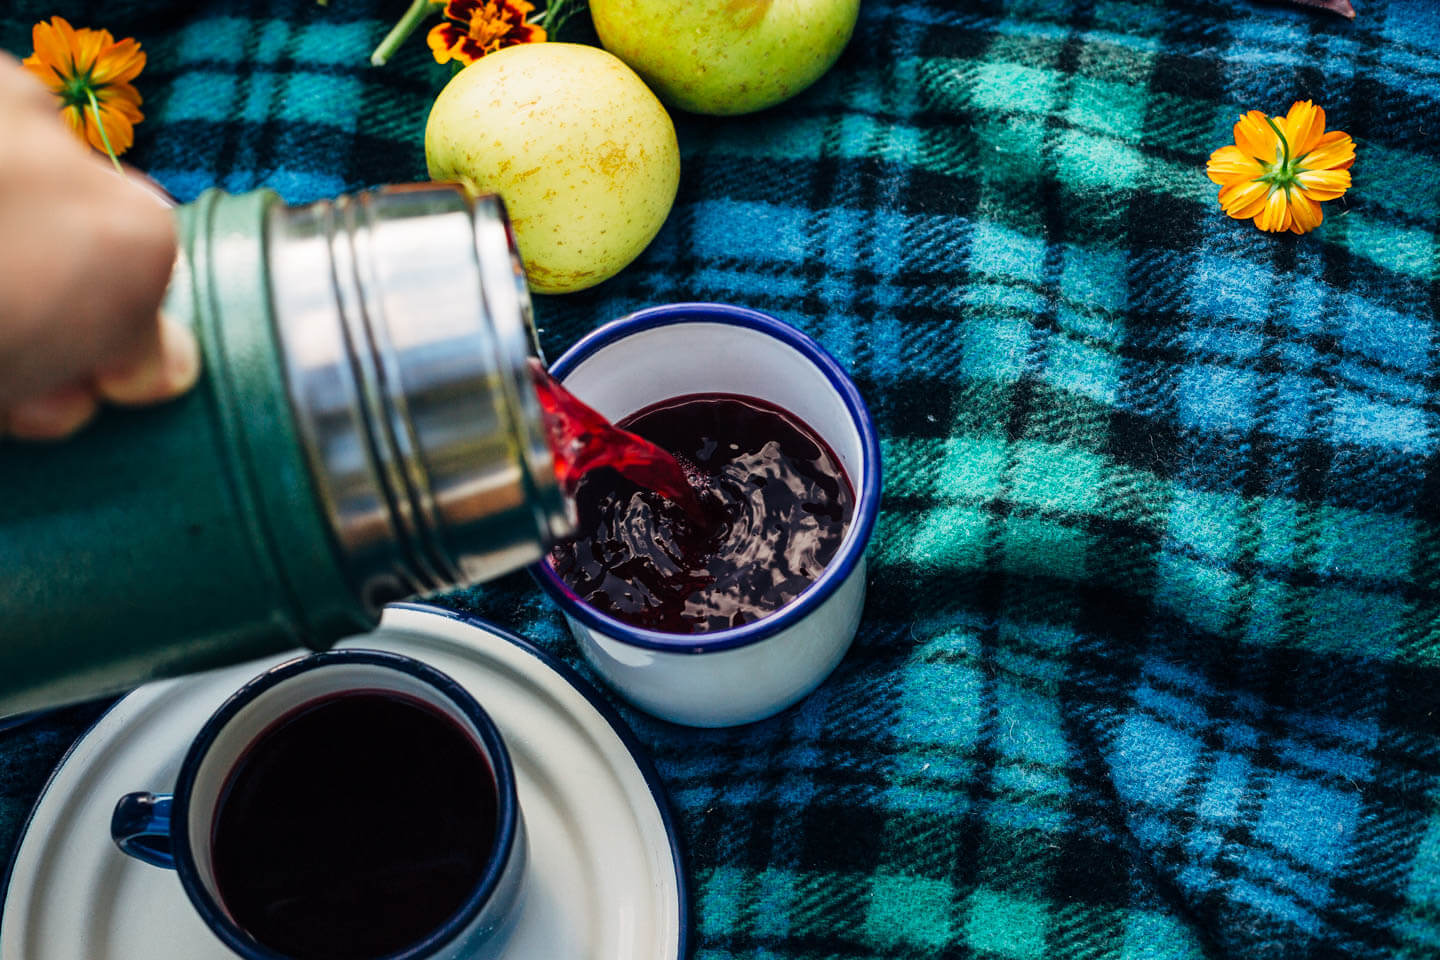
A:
{"points": [[583, 440]]}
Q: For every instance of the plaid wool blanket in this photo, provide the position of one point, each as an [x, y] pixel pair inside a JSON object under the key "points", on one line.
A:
{"points": [[1150, 663]]}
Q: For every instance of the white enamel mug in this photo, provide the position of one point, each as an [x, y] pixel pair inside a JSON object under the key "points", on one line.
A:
{"points": [[750, 672]]}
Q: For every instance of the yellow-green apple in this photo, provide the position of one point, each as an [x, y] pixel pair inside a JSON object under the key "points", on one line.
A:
{"points": [[726, 56], [576, 145]]}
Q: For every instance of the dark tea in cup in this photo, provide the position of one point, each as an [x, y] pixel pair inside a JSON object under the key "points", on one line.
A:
{"points": [[350, 805], [353, 827]]}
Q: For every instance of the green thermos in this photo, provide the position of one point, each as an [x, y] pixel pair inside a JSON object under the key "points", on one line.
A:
{"points": [[365, 429]]}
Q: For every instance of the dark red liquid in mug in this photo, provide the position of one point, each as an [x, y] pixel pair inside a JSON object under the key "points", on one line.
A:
{"points": [[773, 506], [354, 827]]}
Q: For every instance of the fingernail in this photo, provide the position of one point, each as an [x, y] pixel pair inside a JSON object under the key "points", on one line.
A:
{"points": [[52, 417], [166, 371], [182, 355]]}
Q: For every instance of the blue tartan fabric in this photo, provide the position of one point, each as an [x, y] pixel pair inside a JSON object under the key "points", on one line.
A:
{"points": [[1150, 663]]}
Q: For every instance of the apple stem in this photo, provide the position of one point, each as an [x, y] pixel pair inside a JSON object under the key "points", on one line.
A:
{"points": [[419, 10]]}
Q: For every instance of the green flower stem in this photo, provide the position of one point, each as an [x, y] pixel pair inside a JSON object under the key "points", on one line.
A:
{"points": [[1281, 176], [419, 10], [104, 137], [1283, 142]]}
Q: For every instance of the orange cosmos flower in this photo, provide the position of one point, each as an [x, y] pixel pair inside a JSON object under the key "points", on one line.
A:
{"points": [[90, 74], [481, 27], [1280, 168]]}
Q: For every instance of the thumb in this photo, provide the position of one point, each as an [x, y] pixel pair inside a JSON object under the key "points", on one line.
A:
{"points": [[163, 365]]}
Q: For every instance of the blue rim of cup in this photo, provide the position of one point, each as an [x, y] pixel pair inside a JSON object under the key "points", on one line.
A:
{"points": [[220, 923], [867, 498]]}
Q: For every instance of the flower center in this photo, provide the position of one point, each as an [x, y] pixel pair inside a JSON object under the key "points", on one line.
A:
{"points": [[1282, 174], [489, 24], [77, 90]]}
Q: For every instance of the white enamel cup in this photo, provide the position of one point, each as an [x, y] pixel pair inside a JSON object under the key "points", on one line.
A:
{"points": [[750, 672]]}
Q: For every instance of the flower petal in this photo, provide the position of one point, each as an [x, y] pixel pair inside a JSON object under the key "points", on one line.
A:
{"points": [[75, 120], [90, 132], [1274, 216], [46, 72], [65, 32], [84, 43], [82, 121], [1306, 212], [52, 45], [117, 126], [451, 42], [470, 50], [462, 10], [507, 15], [88, 44], [444, 40], [1229, 164], [119, 62], [1303, 126], [1243, 200], [123, 98], [1255, 138], [1323, 184], [1334, 151]]}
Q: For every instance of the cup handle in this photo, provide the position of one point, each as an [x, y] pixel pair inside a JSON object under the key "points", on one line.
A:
{"points": [[140, 827]]}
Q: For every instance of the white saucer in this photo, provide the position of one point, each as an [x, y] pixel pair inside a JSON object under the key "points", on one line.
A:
{"points": [[604, 881]]}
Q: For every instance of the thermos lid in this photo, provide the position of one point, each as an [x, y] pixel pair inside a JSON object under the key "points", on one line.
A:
{"points": [[405, 323]]}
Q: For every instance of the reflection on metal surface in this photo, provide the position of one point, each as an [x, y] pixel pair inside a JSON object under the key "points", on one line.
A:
{"points": [[405, 325]]}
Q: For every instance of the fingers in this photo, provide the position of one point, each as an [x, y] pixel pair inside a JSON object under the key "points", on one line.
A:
{"points": [[166, 363], [135, 250], [18, 85], [73, 304], [85, 257], [53, 416]]}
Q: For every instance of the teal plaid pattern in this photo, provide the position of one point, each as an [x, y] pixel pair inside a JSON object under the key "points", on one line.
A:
{"points": [[1150, 665]]}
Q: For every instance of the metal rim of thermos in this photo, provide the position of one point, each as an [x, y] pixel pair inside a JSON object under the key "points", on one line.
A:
{"points": [[406, 329]]}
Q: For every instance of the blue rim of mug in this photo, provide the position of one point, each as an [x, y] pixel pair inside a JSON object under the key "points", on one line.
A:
{"points": [[638, 754], [221, 924], [867, 499]]}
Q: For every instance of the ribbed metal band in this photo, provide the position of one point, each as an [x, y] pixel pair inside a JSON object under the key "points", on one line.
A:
{"points": [[406, 328]]}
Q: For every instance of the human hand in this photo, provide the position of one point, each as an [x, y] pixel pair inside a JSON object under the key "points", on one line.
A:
{"points": [[85, 256]]}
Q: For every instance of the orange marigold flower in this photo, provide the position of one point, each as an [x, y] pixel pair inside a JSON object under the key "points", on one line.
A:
{"points": [[480, 27], [90, 74], [1280, 168]]}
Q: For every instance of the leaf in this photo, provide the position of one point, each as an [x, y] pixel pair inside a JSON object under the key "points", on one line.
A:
{"points": [[558, 13]]}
